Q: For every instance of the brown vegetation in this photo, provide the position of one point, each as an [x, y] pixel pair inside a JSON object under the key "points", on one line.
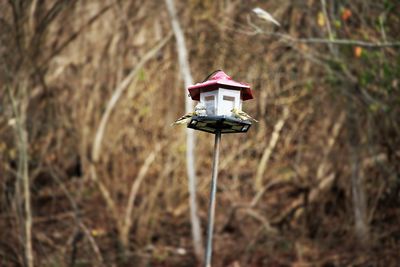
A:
{"points": [[92, 174]]}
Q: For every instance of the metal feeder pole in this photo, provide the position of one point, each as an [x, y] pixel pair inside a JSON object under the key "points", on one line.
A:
{"points": [[211, 208]]}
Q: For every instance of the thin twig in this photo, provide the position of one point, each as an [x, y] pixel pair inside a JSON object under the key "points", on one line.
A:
{"points": [[323, 185], [312, 40], [328, 25], [73, 36], [256, 215], [77, 217], [321, 171], [127, 222], [19, 111], [269, 149], [336, 41]]}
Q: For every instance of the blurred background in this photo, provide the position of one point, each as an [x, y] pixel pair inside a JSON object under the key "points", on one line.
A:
{"points": [[92, 173]]}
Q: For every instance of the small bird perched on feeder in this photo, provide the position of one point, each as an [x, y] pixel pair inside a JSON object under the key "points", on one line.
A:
{"points": [[242, 115], [199, 110]]}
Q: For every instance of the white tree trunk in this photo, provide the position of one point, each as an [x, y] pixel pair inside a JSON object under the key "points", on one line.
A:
{"points": [[190, 160]]}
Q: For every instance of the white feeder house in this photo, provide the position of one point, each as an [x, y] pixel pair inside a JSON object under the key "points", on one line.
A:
{"points": [[220, 95], [221, 101]]}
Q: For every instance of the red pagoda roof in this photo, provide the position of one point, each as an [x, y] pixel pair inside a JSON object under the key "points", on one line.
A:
{"points": [[220, 80]]}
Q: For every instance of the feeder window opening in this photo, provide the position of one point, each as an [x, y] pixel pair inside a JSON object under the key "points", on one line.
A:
{"points": [[210, 104], [229, 103]]}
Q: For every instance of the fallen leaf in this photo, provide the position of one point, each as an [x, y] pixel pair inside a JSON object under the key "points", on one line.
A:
{"points": [[98, 232], [321, 19], [358, 51], [346, 14]]}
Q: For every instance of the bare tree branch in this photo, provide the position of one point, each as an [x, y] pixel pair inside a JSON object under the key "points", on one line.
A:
{"points": [[258, 183], [311, 40], [337, 41], [127, 222]]}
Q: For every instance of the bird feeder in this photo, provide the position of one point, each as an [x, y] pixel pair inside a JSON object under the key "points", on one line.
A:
{"points": [[220, 95], [222, 99]]}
